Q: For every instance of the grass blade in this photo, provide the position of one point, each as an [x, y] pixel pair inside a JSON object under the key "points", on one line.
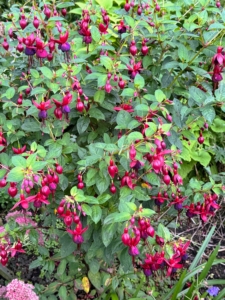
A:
{"points": [[179, 286], [202, 249]]}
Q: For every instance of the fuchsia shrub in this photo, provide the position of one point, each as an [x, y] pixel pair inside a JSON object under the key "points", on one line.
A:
{"points": [[110, 132]]}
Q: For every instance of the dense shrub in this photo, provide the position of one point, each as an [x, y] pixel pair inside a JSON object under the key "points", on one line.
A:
{"points": [[111, 134]]}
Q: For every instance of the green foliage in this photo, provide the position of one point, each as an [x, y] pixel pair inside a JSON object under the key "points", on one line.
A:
{"points": [[115, 135]]}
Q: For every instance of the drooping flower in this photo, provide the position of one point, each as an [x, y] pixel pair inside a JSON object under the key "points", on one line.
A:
{"points": [[19, 150], [64, 46], [77, 233], [124, 106], [43, 107]]}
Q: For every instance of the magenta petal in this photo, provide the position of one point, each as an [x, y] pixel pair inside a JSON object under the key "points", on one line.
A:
{"points": [[41, 53]]}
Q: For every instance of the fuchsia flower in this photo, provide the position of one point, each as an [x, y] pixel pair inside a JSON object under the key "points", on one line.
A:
{"points": [[64, 105], [122, 28], [127, 181], [77, 233], [124, 106], [218, 58], [180, 251], [23, 202], [64, 46], [173, 263], [43, 107], [134, 69], [103, 28], [112, 169], [178, 202], [19, 150]]}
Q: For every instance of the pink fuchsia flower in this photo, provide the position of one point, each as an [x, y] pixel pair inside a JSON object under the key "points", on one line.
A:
{"points": [[77, 233], [173, 263], [18, 290], [124, 106], [43, 107], [127, 181], [218, 58], [103, 28], [19, 150], [64, 105], [24, 202]]}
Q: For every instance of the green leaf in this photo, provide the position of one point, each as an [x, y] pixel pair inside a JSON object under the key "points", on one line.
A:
{"points": [[151, 129], [94, 266], [164, 232], [208, 113], [95, 279], [102, 184], [96, 213], [65, 4], [201, 156], [197, 95], [117, 217], [15, 175], [30, 125], [221, 295], [36, 263], [123, 118], [106, 62], [130, 21], [38, 90], [106, 4], [10, 93], [146, 212], [218, 125], [55, 150], [139, 81], [153, 179], [179, 285], [67, 245], [128, 92], [87, 209], [159, 95], [204, 272], [96, 113], [183, 53], [99, 96], [108, 232], [34, 73], [61, 267], [202, 249], [103, 198], [134, 136], [38, 165], [19, 161], [82, 124], [63, 293], [31, 160], [95, 34], [46, 72]]}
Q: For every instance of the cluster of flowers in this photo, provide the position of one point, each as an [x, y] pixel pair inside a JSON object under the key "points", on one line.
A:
{"points": [[207, 208], [18, 290], [33, 43], [138, 231], [67, 210]]}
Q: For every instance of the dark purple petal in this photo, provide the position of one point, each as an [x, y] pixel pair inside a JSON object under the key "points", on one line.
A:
{"points": [[29, 51], [66, 109], [65, 47], [43, 114]]}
